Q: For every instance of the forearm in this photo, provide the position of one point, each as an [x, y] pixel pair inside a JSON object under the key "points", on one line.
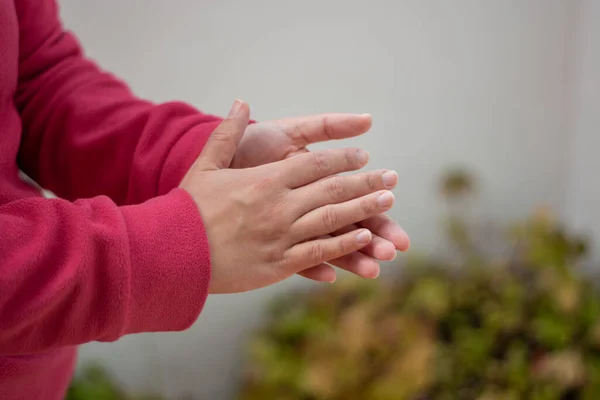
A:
{"points": [[84, 132], [77, 272]]}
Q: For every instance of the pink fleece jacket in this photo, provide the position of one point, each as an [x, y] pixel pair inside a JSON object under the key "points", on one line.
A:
{"points": [[123, 250]]}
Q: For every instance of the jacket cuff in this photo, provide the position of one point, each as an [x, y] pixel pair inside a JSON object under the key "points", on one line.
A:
{"points": [[170, 264]]}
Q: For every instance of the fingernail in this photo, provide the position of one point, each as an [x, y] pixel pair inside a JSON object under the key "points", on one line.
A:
{"points": [[235, 109], [363, 237], [389, 179], [362, 157], [385, 199], [332, 280]]}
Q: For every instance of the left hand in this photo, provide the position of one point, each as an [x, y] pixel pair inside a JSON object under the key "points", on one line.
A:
{"points": [[271, 141]]}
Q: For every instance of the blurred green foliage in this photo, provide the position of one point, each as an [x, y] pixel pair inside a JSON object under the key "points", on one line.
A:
{"points": [[95, 383], [521, 326]]}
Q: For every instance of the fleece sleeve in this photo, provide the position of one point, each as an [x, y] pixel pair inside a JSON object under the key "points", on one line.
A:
{"points": [[71, 273], [84, 132]]}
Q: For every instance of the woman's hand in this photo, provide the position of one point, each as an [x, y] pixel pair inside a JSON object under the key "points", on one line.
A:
{"points": [[267, 142], [269, 222]]}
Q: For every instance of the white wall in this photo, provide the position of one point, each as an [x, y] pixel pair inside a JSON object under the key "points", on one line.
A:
{"points": [[583, 202], [480, 83]]}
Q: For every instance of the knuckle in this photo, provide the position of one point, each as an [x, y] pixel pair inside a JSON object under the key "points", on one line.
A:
{"points": [[222, 134], [344, 247], [289, 260], [265, 183], [299, 136], [371, 182], [330, 217], [272, 254], [321, 163], [316, 252], [350, 156], [336, 188], [270, 182], [276, 210], [277, 176], [367, 206], [327, 129]]}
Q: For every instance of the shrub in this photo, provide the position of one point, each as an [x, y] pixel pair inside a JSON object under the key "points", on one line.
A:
{"points": [[95, 383], [474, 325]]}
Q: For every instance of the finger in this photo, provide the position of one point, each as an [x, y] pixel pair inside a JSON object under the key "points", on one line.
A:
{"points": [[310, 167], [337, 189], [379, 248], [383, 226], [358, 264], [222, 144], [328, 219], [320, 273], [320, 128], [318, 251]]}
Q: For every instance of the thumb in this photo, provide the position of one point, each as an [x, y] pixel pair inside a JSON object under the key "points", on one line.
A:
{"points": [[222, 144]]}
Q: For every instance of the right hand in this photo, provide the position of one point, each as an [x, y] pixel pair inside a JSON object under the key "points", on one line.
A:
{"points": [[267, 223]]}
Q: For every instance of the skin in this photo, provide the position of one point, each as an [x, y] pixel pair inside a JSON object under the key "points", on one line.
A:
{"points": [[267, 223], [272, 141]]}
